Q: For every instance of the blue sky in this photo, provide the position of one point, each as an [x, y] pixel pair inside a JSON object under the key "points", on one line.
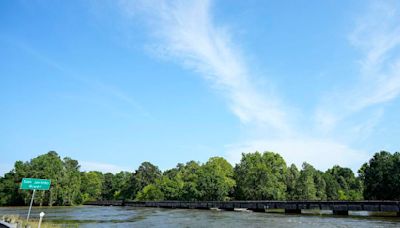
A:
{"points": [[115, 83]]}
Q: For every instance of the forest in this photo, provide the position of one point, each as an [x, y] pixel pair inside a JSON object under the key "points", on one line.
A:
{"points": [[258, 176]]}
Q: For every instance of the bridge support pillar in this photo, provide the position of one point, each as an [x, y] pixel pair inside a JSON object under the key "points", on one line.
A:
{"points": [[340, 212], [293, 211], [258, 210], [203, 208]]}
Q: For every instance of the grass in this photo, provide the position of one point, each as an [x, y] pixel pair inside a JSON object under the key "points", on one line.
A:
{"points": [[33, 223]]}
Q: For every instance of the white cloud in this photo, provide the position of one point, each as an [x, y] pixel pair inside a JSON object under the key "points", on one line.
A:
{"points": [[377, 36], [186, 32], [102, 167]]}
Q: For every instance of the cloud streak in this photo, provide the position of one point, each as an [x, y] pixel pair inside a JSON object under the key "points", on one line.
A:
{"points": [[188, 33], [377, 36]]}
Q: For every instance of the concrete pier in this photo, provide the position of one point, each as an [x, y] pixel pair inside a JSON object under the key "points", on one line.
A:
{"points": [[292, 211], [340, 212]]}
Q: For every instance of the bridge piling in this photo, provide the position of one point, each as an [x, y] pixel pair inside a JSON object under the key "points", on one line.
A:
{"points": [[257, 210], [292, 211], [340, 212]]}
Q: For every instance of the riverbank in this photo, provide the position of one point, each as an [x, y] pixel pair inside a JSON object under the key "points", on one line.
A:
{"points": [[19, 221]]}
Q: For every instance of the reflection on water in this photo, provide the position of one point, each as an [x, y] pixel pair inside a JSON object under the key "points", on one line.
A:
{"points": [[94, 216]]}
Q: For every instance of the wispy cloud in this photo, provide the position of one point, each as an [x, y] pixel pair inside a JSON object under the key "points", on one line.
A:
{"points": [[377, 36], [186, 32], [379, 39]]}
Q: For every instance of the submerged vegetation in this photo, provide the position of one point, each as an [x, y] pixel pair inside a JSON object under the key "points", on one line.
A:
{"points": [[258, 176]]}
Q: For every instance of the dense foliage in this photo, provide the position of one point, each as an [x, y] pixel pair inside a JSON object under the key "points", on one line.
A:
{"points": [[381, 177], [261, 176], [258, 176]]}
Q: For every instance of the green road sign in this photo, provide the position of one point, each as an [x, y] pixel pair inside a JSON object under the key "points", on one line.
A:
{"points": [[35, 184]]}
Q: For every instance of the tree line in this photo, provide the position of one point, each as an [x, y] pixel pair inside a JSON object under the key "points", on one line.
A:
{"points": [[258, 176]]}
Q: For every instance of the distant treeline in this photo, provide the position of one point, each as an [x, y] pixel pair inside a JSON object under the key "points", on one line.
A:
{"points": [[258, 176]]}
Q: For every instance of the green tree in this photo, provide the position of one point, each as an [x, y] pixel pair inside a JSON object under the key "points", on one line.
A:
{"points": [[342, 180], [48, 166], [260, 177], [70, 182], [332, 187], [108, 188], [381, 176], [292, 177], [320, 185], [9, 193], [171, 188], [305, 188], [257, 177], [150, 192], [121, 182], [64, 175], [189, 174], [216, 180], [91, 185], [146, 174]]}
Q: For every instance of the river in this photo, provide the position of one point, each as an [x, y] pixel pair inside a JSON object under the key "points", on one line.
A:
{"points": [[97, 216]]}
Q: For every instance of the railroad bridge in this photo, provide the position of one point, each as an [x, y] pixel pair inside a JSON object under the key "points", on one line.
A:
{"points": [[337, 207]]}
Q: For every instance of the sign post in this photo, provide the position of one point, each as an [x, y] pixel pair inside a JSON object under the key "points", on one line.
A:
{"points": [[30, 205], [34, 184]]}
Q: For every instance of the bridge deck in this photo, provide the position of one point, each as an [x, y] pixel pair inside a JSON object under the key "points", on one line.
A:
{"points": [[338, 207]]}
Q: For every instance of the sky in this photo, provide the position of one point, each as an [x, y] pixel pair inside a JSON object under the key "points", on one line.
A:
{"points": [[117, 82]]}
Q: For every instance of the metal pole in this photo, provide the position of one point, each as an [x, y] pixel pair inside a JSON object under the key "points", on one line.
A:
{"points": [[30, 207]]}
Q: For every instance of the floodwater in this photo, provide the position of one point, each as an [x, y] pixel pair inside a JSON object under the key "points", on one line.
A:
{"points": [[98, 216]]}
